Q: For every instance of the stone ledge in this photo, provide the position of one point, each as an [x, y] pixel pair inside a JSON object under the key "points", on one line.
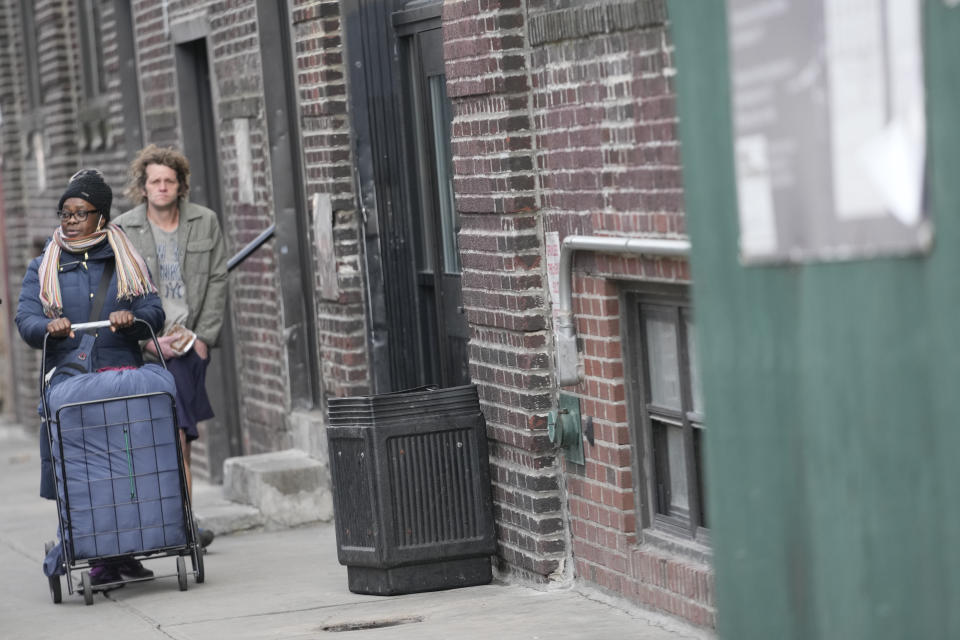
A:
{"points": [[605, 16], [288, 488], [228, 517]]}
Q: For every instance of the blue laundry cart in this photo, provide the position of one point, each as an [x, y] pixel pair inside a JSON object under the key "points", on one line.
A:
{"points": [[121, 488]]}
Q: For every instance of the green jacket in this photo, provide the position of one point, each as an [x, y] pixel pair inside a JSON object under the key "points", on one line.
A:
{"points": [[203, 264]]}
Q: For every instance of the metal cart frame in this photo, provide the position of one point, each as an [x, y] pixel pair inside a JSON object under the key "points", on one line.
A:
{"points": [[70, 562]]}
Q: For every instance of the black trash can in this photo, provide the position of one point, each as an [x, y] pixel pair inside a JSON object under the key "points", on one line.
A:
{"points": [[411, 490]]}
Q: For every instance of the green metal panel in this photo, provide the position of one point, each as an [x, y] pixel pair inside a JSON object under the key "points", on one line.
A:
{"points": [[565, 429], [832, 390]]}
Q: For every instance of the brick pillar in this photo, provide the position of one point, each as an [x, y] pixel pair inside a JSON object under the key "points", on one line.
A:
{"points": [[325, 127], [503, 274]]}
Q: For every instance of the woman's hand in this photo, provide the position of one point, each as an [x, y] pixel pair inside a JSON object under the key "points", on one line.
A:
{"points": [[121, 319], [59, 328]]}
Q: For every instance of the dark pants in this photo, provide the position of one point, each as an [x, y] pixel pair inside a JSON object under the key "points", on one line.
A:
{"points": [[48, 485], [190, 375]]}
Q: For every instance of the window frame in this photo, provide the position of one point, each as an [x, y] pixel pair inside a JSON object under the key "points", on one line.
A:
{"points": [[94, 133], [31, 56], [641, 412], [89, 20]]}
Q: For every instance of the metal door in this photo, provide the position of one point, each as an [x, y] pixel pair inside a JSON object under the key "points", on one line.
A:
{"points": [[432, 215]]}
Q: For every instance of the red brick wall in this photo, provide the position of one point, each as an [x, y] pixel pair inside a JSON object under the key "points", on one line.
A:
{"points": [[12, 104], [503, 277], [233, 48], [569, 131], [260, 351], [157, 77], [234, 52], [30, 194], [325, 138], [560, 126]]}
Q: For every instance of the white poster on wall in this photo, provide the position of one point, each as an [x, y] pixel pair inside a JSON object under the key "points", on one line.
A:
{"points": [[325, 251], [553, 271], [829, 128]]}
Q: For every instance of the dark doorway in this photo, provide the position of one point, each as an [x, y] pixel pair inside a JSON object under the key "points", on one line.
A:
{"points": [[401, 116], [222, 437], [431, 214]]}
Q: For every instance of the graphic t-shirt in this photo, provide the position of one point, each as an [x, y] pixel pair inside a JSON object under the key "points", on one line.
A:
{"points": [[173, 293]]}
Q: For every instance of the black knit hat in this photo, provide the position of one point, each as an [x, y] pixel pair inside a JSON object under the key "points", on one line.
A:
{"points": [[89, 185]]}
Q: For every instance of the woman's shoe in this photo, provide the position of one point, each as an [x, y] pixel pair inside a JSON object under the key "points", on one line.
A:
{"points": [[133, 568], [102, 574], [205, 537]]}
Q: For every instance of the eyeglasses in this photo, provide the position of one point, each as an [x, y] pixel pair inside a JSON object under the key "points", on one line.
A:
{"points": [[79, 215]]}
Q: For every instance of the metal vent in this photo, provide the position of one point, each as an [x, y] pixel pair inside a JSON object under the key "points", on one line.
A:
{"points": [[355, 509], [434, 486]]}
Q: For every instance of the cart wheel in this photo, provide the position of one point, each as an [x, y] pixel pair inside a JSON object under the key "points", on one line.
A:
{"points": [[182, 573], [55, 594], [197, 558], [87, 588]]}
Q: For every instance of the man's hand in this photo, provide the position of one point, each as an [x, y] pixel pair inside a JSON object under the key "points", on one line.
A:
{"points": [[201, 348], [121, 319], [165, 350], [59, 328]]}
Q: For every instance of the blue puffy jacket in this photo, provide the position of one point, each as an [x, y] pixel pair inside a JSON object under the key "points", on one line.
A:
{"points": [[79, 279]]}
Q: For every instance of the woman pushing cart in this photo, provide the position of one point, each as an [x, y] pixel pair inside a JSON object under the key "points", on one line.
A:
{"points": [[90, 273]]}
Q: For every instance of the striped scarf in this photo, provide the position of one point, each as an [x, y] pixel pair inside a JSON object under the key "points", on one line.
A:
{"points": [[133, 278]]}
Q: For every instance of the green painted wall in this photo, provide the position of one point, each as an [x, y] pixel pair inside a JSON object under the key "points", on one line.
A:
{"points": [[832, 390]]}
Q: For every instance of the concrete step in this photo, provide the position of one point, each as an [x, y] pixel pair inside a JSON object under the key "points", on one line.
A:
{"points": [[287, 488], [213, 511]]}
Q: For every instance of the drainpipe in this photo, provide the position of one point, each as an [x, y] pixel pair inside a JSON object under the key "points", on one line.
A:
{"points": [[569, 370]]}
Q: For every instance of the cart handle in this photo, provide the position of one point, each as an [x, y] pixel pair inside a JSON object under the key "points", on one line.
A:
{"points": [[83, 326], [80, 327], [99, 324]]}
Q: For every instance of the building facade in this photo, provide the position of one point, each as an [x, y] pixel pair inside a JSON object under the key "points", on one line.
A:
{"points": [[419, 163]]}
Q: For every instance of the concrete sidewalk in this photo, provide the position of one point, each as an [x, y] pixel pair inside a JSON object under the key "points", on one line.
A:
{"points": [[272, 584]]}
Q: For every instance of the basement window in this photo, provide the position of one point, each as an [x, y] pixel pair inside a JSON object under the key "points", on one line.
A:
{"points": [[666, 411]]}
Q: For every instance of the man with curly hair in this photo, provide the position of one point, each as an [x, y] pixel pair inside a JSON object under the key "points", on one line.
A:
{"points": [[183, 246]]}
